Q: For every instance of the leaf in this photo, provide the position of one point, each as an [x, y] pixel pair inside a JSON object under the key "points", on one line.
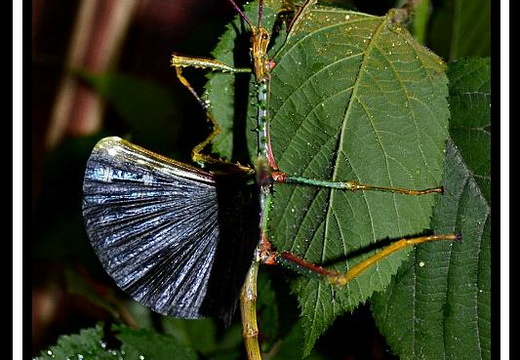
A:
{"points": [[353, 97], [470, 106], [58, 207], [88, 344], [438, 305], [135, 344], [420, 20], [202, 335], [78, 285], [461, 28], [147, 107], [147, 344]]}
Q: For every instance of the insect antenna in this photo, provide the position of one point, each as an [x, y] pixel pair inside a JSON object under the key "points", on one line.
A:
{"points": [[260, 12], [243, 14]]}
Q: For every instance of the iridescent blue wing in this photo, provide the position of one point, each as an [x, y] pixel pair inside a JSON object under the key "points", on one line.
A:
{"points": [[155, 226]]}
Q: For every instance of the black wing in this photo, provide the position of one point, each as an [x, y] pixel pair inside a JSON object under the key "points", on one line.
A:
{"points": [[239, 222], [154, 225]]}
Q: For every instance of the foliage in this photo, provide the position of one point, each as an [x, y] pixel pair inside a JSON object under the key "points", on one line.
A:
{"points": [[439, 304]]}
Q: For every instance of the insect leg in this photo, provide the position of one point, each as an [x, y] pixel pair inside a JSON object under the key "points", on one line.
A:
{"points": [[299, 265], [350, 185], [179, 62]]}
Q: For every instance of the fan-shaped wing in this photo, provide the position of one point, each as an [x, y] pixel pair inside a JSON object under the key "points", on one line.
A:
{"points": [[154, 225]]}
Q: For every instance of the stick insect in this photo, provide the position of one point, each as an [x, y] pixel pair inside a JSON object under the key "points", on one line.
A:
{"points": [[185, 241]]}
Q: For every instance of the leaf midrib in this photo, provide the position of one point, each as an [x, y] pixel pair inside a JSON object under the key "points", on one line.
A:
{"points": [[355, 88]]}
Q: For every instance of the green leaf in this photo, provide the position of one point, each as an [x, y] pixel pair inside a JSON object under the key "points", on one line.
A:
{"points": [[438, 305], [470, 105], [148, 108], [146, 344], [203, 336], [88, 344], [290, 347], [78, 285], [135, 344], [461, 28], [354, 97], [420, 20]]}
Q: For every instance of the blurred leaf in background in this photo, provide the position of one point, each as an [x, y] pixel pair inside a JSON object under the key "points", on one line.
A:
{"points": [[147, 107], [460, 28]]}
